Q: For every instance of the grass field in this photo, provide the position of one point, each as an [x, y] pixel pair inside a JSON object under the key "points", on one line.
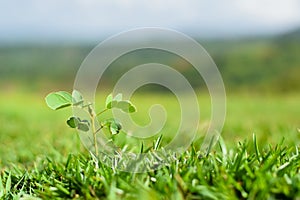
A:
{"points": [[41, 157]]}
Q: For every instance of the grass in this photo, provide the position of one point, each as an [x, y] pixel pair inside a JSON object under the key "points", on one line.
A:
{"points": [[237, 173], [36, 161]]}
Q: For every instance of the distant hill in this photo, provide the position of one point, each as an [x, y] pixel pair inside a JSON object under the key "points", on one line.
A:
{"points": [[289, 36], [256, 64]]}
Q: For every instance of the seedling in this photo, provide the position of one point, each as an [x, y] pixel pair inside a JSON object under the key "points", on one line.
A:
{"points": [[62, 99]]}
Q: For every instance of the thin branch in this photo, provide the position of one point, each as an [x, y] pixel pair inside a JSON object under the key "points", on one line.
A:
{"points": [[106, 109]]}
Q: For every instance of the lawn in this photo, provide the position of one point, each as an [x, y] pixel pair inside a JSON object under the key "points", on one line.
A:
{"points": [[40, 157]]}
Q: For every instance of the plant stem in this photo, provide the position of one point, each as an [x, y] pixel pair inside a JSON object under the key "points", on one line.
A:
{"points": [[101, 126], [93, 116], [106, 109], [94, 134]]}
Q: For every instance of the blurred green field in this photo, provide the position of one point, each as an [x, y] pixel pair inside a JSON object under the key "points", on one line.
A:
{"points": [[29, 129], [259, 65]]}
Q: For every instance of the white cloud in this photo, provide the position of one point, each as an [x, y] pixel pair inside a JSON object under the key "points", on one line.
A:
{"points": [[270, 12], [89, 18]]}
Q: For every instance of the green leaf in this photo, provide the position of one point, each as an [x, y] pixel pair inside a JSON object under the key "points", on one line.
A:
{"points": [[83, 127], [123, 105], [66, 95], [115, 128], [117, 102], [132, 109], [77, 98], [76, 122], [118, 97], [58, 100], [73, 122], [126, 106], [112, 104], [108, 101]]}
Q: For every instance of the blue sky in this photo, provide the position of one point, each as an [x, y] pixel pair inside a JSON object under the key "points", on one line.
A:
{"points": [[97, 19]]}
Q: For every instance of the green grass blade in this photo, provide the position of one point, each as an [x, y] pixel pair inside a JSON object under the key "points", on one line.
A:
{"points": [[8, 183], [1, 187], [257, 152]]}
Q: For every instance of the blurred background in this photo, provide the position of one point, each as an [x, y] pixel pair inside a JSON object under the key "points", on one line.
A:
{"points": [[255, 45]]}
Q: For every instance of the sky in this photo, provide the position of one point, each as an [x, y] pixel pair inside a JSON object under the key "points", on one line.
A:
{"points": [[98, 19]]}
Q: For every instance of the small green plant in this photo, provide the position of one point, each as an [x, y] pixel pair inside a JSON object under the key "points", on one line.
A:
{"points": [[62, 99]]}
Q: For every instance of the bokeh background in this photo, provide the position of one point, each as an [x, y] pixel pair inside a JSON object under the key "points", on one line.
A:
{"points": [[255, 45]]}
